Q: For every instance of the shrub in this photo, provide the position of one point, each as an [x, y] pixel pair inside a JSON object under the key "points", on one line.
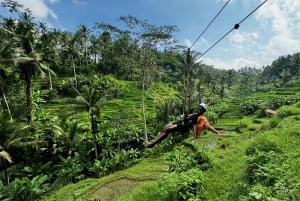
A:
{"points": [[286, 111], [115, 161], [273, 123], [180, 160], [187, 185], [249, 107], [261, 157], [261, 145], [25, 189]]}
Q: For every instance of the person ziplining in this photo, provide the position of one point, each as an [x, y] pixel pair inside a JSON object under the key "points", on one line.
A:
{"points": [[197, 121]]}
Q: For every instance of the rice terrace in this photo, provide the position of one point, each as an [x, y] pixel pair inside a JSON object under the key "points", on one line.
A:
{"points": [[127, 112]]}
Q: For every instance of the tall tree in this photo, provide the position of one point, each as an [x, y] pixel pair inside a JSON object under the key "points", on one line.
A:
{"points": [[83, 35], [150, 38], [190, 67], [26, 38], [8, 56], [48, 49], [90, 98]]}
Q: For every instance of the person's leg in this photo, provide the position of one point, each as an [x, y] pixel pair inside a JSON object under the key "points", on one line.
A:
{"points": [[161, 136]]}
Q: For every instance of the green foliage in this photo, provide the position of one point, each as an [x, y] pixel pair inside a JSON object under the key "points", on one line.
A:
{"points": [[47, 147], [181, 160], [69, 168], [286, 111], [273, 178], [263, 168], [272, 171], [278, 101], [262, 145], [220, 108], [262, 162], [147, 191], [115, 161], [25, 189], [38, 169], [249, 107], [182, 186]]}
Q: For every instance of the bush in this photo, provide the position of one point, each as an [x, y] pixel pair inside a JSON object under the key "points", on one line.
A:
{"points": [[262, 145], [249, 107], [286, 111], [261, 155], [25, 189], [187, 185], [180, 160]]}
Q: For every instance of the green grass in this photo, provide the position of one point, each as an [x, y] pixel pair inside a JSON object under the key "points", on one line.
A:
{"points": [[147, 170], [223, 181]]}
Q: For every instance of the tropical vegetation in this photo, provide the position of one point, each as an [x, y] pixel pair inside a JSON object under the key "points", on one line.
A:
{"points": [[76, 107]]}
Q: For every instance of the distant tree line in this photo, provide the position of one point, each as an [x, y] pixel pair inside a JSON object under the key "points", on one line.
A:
{"points": [[44, 145]]}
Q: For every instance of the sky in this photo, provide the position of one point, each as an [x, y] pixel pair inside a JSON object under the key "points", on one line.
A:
{"points": [[270, 32]]}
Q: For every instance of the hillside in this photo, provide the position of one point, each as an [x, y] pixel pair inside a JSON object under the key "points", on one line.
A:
{"points": [[227, 176]]}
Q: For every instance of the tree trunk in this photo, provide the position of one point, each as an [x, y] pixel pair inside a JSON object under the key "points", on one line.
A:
{"points": [[74, 71], [143, 107], [28, 100], [50, 79], [187, 97], [6, 103], [6, 178], [94, 129]]}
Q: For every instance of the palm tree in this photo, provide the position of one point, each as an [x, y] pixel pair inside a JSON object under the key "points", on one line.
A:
{"points": [[48, 49], [190, 63], [67, 134], [70, 52], [27, 69], [30, 62], [90, 99], [83, 34], [7, 58]]}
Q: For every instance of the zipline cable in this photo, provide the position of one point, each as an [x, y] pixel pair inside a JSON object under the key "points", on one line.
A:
{"points": [[188, 62], [210, 24], [236, 26]]}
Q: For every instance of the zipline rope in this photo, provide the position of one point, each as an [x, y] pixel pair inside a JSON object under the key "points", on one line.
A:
{"points": [[210, 23], [236, 26]]}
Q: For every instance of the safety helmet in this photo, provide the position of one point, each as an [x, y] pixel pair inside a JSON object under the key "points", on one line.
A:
{"points": [[203, 105]]}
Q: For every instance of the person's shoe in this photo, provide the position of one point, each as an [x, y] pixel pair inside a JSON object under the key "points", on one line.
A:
{"points": [[148, 144]]}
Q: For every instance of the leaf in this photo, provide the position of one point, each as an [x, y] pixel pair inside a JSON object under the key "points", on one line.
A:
{"points": [[6, 156]]}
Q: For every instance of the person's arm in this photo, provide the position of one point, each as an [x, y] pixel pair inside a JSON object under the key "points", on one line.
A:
{"points": [[196, 130], [219, 133]]}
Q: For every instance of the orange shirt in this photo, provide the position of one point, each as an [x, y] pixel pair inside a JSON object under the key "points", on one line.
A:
{"points": [[202, 122]]}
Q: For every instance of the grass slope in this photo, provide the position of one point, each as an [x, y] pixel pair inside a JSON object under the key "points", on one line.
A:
{"points": [[111, 187], [222, 181]]}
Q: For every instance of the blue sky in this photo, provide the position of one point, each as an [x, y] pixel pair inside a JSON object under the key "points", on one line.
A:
{"points": [[272, 31]]}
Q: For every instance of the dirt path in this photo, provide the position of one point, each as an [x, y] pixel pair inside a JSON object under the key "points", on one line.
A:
{"points": [[110, 191]]}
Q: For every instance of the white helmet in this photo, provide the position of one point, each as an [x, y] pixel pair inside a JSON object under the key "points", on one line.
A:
{"points": [[203, 105]]}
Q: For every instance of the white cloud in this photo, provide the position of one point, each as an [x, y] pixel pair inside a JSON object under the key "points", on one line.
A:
{"points": [[200, 44], [283, 16], [79, 2], [276, 33], [236, 63], [39, 8], [53, 1], [242, 37]]}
